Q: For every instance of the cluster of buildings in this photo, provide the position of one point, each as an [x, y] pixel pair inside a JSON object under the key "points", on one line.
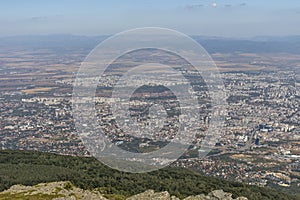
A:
{"points": [[41, 124], [261, 122], [262, 126]]}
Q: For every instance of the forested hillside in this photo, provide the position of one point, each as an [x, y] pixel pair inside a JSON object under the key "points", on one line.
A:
{"points": [[30, 168]]}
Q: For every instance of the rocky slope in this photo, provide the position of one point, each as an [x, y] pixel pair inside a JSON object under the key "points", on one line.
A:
{"points": [[214, 195], [66, 191]]}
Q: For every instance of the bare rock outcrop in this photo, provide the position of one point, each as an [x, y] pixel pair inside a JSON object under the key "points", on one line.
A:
{"points": [[150, 194], [214, 195], [66, 191], [54, 190]]}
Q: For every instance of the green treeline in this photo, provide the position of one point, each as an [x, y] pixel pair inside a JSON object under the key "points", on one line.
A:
{"points": [[30, 168]]}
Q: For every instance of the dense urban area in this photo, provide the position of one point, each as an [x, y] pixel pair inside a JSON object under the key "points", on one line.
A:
{"points": [[259, 142]]}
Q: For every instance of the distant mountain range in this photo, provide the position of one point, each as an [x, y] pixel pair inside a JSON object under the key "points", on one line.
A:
{"points": [[290, 44], [262, 44]]}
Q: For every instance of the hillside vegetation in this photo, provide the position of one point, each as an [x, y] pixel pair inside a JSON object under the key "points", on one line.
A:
{"points": [[30, 168]]}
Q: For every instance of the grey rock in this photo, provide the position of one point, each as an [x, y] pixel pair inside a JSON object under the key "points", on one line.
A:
{"points": [[241, 198], [150, 194], [220, 195], [197, 197], [71, 192], [215, 195]]}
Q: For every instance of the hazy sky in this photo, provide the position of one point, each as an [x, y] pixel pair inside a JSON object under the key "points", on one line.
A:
{"points": [[238, 18]]}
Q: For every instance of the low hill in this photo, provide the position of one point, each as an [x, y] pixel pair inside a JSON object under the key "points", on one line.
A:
{"points": [[30, 168]]}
